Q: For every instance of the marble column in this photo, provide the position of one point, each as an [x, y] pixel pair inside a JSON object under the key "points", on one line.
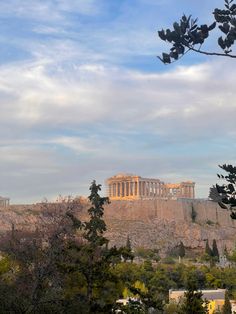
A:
{"points": [[116, 191]]}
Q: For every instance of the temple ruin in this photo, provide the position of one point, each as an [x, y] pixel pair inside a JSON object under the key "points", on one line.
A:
{"points": [[4, 201], [133, 187]]}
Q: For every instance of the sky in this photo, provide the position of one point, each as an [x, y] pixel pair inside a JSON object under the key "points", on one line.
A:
{"points": [[83, 96]]}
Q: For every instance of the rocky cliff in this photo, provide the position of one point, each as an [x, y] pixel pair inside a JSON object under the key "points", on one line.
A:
{"points": [[163, 224], [158, 224]]}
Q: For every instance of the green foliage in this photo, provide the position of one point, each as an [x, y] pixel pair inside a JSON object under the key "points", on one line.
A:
{"points": [[168, 260], [232, 256], [227, 308], [175, 252], [187, 35], [96, 226], [147, 253], [132, 307], [224, 194], [93, 259], [63, 267], [193, 302], [171, 308], [126, 251], [71, 269]]}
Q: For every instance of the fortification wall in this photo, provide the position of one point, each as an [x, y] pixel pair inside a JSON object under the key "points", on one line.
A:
{"points": [[169, 210], [163, 224], [160, 224]]}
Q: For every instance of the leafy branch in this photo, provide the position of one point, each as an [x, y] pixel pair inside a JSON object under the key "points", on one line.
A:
{"points": [[225, 195], [187, 35]]}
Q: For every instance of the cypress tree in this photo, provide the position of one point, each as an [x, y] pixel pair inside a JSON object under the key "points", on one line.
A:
{"points": [[208, 250], [128, 244], [215, 252], [193, 214], [227, 308]]}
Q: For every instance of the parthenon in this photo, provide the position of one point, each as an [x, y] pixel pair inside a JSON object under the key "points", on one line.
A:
{"points": [[132, 187]]}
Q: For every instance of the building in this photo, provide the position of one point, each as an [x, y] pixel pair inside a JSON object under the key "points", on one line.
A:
{"points": [[4, 201], [215, 298], [127, 186]]}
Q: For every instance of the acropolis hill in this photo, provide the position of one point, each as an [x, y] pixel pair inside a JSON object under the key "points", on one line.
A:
{"points": [[151, 213]]}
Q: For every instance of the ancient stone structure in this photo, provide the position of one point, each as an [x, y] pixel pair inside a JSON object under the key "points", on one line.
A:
{"points": [[128, 186], [150, 223], [163, 223], [4, 201]]}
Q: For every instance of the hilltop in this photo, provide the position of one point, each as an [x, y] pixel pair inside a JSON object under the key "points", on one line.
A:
{"points": [[159, 224]]}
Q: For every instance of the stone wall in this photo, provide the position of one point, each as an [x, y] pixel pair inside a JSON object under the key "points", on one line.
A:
{"points": [[169, 210], [163, 224], [156, 223]]}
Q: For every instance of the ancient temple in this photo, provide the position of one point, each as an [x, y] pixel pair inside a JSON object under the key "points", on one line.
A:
{"points": [[127, 187], [4, 201]]}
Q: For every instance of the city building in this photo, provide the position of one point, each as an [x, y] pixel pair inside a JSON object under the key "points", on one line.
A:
{"points": [[215, 298]]}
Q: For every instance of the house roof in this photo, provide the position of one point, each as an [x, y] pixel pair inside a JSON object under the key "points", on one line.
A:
{"points": [[218, 294]]}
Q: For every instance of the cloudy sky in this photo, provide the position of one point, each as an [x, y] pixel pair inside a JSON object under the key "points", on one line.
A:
{"points": [[83, 96]]}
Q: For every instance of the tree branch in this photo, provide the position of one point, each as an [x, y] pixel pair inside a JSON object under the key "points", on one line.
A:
{"points": [[211, 53]]}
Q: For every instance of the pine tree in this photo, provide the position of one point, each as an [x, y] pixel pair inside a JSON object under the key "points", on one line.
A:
{"points": [[227, 308], [215, 252]]}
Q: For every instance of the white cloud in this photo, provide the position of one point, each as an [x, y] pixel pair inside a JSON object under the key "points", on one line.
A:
{"points": [[34, 95], [47, 10]]}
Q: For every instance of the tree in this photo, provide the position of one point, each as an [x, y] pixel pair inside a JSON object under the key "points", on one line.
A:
{"points": [[126, 251], [63, 265], [187, 35], [181, 250], [92, 261], [35, 284], [171, 308], [193, 214], [128, 244], [215, 252], [227, 308], [193, 302], [225, 194], [208, 250]]}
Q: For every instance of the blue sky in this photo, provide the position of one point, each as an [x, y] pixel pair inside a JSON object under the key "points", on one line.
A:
{"points": [[83, 96]]}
